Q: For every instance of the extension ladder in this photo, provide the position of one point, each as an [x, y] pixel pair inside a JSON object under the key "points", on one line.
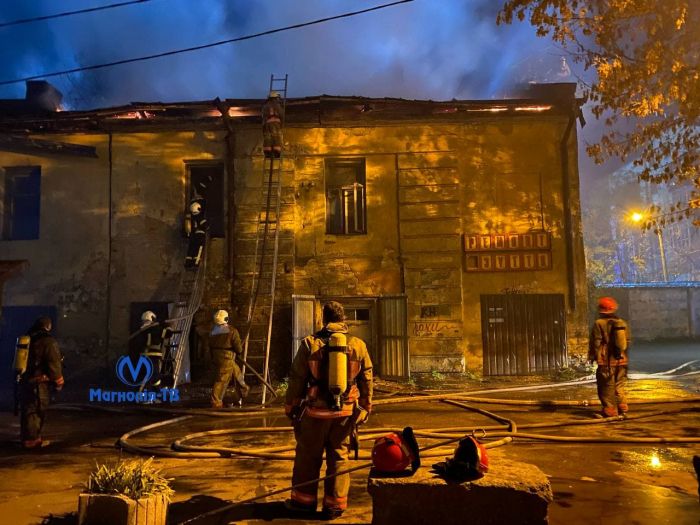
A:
{"points": [[256, 344], [190, 293]]}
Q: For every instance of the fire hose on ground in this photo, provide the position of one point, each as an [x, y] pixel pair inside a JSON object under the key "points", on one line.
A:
{"points": [[452, 433], [506, 431]]}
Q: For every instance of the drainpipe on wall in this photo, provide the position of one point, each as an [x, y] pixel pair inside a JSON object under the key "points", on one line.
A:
{"points": [[229, 163], [108, 323], [402, 269], [568, 221]]}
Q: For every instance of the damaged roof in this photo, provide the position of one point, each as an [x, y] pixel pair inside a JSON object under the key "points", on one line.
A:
{"points": [[543, 99]]}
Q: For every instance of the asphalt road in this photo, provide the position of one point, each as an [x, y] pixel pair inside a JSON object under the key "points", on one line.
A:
{"points": [[592, 483], [659, 357]]}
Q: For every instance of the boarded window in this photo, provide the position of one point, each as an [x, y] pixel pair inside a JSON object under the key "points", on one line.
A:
{"points": [[21, 203], [346, 197], [207, 181]]}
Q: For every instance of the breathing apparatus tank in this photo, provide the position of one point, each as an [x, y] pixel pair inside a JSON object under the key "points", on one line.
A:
{"points": [[21, 355], [337, 368]]}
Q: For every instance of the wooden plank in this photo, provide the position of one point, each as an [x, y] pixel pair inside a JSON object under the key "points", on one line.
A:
{"points": [[428, 177], [436, 226], [429, 193], [428, 160], [437, 244], [32, 146], [429, 211]]}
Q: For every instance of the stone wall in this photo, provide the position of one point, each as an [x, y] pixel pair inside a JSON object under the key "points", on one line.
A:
{"points": [[658, 312], [112, 228], [427, 183], [111, 233], [68, 264]]}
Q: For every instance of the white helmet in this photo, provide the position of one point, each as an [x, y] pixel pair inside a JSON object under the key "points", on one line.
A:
{"points": [[221, 317], [195, 208], [274, 94], [148, 317]]}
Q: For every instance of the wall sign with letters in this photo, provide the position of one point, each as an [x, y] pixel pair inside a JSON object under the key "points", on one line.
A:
{"points": [[508, 252]]}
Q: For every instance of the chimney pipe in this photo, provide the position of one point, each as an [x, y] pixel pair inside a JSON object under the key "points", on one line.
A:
{"points": [[43, 96]]}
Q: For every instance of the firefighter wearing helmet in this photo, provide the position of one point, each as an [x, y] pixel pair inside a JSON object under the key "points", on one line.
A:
{"points": [[608, 347], [272, 117], [38, 373], [198, 227], [225, 345], [150, 340], [329, 395]]}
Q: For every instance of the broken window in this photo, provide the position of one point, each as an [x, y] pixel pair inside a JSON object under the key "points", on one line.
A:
{"points": [[21, 203], [345, 197], [206, 180]]}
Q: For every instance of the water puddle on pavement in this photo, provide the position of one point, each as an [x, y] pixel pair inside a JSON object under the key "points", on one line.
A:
{"points": [[659, 467]]}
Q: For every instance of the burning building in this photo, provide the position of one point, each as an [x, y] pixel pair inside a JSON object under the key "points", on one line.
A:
{"points": [[450, 230]]}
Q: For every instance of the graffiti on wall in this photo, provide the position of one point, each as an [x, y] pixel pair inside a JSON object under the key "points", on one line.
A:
{"points": [[436, 329]]}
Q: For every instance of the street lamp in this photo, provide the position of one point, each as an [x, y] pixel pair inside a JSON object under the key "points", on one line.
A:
{"points": [[637, 217]]}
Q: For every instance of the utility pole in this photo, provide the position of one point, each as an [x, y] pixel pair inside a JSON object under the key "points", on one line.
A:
{"points": [[662, 253]]}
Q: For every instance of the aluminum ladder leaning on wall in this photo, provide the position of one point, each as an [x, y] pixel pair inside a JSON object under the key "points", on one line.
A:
{"points": [[191, 291], [256, 344]]}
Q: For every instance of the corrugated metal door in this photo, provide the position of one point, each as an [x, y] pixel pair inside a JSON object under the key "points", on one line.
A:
{"points": [[304, 319], [523, 333], [393, 337]]}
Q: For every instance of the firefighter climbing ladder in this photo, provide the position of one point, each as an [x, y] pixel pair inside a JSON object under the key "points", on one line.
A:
{"points": [[256, 345], [191, 291]]}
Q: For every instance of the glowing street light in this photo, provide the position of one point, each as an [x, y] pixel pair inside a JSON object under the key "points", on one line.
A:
{"points": [[638, 217]]}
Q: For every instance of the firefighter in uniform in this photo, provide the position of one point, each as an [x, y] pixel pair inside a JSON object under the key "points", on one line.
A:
{"points": [[198, 226], [225, 344], [324, 418], [611, 374], [151, 341], [272, 116], [43, 370]]}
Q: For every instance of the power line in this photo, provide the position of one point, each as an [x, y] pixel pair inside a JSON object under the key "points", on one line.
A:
{"points": [[204, 46], [69, 13]]}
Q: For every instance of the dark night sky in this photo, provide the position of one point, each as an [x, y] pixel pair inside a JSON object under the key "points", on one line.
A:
{"points": [[435, 49]]}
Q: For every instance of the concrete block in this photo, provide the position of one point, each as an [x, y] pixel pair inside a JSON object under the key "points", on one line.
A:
{"points": [[115, 509], [512, 492]]}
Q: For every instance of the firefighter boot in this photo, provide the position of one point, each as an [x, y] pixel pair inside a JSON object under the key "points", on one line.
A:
{"points": [[296, 507], [331, 514]]}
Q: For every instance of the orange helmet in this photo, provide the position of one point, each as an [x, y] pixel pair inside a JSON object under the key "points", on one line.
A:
{"points": [[607, 305], [470, 461], [394, 452]]}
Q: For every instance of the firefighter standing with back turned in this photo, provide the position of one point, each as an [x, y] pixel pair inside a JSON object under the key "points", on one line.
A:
{"points": [[608, 346], [329, 395], [43, 369]]}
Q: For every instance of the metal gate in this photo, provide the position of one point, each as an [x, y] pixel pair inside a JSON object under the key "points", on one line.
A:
{"points": [[303, 319], [393, 337], [523, 333]]}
